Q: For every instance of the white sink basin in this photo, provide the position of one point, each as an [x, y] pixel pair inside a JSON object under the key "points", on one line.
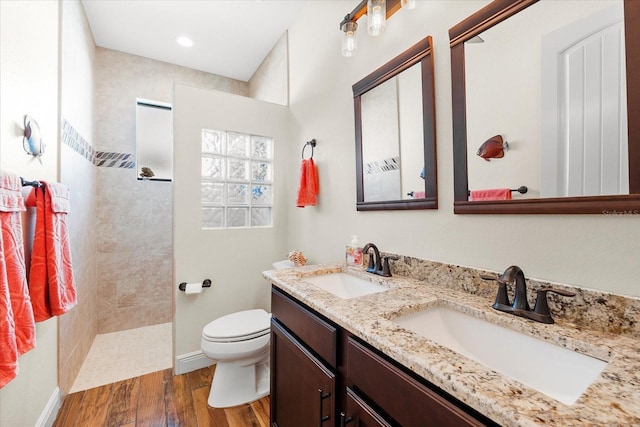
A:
{"points": [[345, 285], [553, 370]]}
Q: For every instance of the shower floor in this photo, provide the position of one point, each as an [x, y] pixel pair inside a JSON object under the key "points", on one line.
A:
{"points": [[117, 356]]}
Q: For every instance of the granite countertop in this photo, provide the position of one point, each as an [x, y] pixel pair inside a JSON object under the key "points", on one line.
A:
{"points": [[613, 399]]}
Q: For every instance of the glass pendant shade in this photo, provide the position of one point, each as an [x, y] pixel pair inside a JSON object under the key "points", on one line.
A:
{"points": [[408, 4], [376, 16], [349, 42]]}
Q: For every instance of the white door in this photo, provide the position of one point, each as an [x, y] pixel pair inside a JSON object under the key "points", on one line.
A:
{"points": [[584, 108], [232, 258]]}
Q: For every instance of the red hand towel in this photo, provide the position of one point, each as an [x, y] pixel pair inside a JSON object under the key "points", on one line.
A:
{"points": [[494, 194], [308, 187], [17, 333], [51, 280], [38, 285]]}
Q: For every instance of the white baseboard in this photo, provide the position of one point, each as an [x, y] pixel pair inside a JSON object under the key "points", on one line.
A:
{"points": [[191, 361], [48, 416]]}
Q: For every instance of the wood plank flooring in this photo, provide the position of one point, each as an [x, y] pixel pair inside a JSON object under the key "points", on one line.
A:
{"points": [[158, 399]]}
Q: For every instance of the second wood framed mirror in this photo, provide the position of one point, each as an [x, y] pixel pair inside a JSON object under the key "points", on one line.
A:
{"points": [[501, 108]]}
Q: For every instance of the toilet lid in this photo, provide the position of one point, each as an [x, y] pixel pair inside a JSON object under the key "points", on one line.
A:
{"points": [[239, 326]]}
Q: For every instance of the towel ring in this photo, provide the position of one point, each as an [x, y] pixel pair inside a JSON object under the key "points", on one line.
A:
{"points": [[312, 143]]}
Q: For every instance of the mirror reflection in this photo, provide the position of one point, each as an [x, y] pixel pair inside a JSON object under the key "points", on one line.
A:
{"points": [[395, 133], [392, 136], [556, 93]]}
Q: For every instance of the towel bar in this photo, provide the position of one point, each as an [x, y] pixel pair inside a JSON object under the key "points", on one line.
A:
{"points": [[26, 183], [522, 190]]}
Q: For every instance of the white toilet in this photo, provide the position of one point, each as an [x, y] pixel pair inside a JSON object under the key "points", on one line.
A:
{"points": [[239, 342]]}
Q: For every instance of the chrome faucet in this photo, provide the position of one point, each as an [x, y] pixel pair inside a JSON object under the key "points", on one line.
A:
{"points": [[520, 306], [377, 264]]}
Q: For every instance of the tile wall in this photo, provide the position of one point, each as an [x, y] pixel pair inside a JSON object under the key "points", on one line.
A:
{"points": [[133, 218]]}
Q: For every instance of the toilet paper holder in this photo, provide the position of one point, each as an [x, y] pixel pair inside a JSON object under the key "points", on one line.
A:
{"points": [[206, 283]]}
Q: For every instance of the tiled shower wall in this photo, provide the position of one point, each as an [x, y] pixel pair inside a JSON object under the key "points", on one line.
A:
{"points": [[133, 219]]}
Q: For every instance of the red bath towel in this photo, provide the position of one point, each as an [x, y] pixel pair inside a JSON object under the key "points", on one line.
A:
{"points": [[51, 283], [308, 187], [17, 330], [8, 347], [493, 194]]}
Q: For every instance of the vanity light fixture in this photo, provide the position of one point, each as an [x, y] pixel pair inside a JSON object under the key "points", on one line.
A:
{"points": [[184, 41], [377, 11], [349, 42]]}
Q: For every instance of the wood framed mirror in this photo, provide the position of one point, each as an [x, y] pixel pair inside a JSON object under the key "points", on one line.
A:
{"points": [[502, 12], [396, 134]]}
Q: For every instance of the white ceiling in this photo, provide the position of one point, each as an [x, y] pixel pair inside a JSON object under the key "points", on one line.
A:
{"points": [[231, 37]]}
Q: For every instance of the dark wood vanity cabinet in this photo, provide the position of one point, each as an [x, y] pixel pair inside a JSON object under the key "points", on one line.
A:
{"points": [[323, 376], [303, 361], [302, 388], [358, 413], [406, 400]]}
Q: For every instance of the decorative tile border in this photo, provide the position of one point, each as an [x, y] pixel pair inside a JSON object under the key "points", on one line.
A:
{"points": [[114, 160], [77, 143], [379, 166]]}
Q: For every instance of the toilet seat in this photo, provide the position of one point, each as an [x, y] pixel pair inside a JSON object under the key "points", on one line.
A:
{"points": [[240, 326]]}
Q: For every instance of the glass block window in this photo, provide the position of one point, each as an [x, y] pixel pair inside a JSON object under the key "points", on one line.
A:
{"points": [[237, 180]]}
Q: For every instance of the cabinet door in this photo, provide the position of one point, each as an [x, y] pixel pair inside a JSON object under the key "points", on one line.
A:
{"points": [[359, 414], [302, 388]]}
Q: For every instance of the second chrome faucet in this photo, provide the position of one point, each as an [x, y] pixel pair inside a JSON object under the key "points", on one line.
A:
{"points": [[520, 306]]}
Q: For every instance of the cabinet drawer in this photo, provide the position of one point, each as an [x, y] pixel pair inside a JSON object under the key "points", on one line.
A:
{"points": [[315, 332], [409, 402]]}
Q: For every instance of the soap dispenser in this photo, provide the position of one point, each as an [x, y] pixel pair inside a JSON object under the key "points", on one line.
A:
{"points": [[353, 253]]}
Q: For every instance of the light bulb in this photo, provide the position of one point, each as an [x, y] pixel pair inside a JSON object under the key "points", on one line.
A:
{"points": [[349, 42], [408, 4], [376, 16]]}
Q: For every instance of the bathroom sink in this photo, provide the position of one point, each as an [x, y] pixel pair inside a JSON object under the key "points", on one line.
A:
{"points": [[344, 285], [553, 370]]}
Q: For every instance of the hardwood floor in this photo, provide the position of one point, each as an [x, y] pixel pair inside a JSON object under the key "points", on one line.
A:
{"points": [[158, 399]]}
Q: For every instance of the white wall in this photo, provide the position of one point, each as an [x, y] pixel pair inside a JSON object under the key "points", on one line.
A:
{"points": [[29, 82], [582, 250], [78, 328], [232, 258], [270, 81]]}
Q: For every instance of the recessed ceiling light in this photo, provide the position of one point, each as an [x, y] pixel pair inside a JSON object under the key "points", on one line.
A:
{"points": [[184, 41]]}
